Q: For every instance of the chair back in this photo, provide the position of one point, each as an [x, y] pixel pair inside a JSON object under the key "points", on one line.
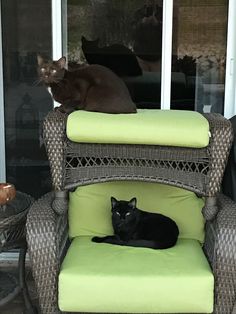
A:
{"points": [[199, 170]]}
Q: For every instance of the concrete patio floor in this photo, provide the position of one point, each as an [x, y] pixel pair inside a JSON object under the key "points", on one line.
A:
{"points": [[16, 306]]}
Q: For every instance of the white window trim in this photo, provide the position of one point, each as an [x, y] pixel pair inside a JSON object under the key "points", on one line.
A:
{"points": [[56, 29], [56, 33], [2, 121], [167, 29], [230, 73]]}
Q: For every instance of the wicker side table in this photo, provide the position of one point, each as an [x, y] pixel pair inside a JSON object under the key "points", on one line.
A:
{"points": [[12, 236]]}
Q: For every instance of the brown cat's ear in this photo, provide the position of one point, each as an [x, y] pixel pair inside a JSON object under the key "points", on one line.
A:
{"points": [[62, 62], [133, 202], [113, 202], [40, 60]]}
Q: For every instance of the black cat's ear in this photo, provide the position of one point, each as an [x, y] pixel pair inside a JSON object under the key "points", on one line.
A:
{"points": [[62, 62], [40, 60], [133, 202], [113, 202]]}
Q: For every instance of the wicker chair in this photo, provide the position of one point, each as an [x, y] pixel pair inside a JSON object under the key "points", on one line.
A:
{"points": [[75, 164]]}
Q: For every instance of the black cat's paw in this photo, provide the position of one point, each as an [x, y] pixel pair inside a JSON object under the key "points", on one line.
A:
{"points": [[97, 239]]}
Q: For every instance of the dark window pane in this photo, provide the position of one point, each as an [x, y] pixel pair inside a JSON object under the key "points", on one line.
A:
{"points": [[198, 57], [26, 27], [125, 36]]}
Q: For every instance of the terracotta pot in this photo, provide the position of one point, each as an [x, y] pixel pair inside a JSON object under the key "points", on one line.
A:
{"points": [[7, 192]]}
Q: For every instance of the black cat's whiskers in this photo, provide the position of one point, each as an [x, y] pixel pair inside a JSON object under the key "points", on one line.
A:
{"points": [[41, 80]]}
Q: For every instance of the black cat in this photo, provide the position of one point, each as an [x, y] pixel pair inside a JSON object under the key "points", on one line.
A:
{"points": [[118, 58], [87, 87], [147, 34], [134, 227]]}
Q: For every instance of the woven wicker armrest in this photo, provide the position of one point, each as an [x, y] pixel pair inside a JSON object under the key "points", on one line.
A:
{"points": [[220, 247], [226, 228], [47, 239]]}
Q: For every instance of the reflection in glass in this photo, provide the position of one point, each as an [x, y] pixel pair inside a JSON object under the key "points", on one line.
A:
{"points": [[26, 28], [198, 55], [125, 36]]}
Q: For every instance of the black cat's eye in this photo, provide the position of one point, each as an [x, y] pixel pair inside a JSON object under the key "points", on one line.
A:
{"points": [[117, 213], [127, 214]]}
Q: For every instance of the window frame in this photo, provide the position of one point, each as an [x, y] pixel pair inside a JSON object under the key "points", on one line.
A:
{"points": [[166, 63], [230, 71], [2, 120]]}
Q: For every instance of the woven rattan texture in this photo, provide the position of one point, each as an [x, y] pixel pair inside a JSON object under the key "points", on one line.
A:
{"points": [[46, 238], [54, 137], [47, 241], [12, 227], [199, 170], [220, 144], [89, 163], [224, 264]]}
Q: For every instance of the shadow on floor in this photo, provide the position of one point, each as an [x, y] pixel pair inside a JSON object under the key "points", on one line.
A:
{"points": [[16, 306]]}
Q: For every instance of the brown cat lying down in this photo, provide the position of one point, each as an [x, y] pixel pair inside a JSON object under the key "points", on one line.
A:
{"points": [[90, 87]]}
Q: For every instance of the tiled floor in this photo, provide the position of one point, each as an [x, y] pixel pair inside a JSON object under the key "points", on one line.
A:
{"points": [[17, 305]]}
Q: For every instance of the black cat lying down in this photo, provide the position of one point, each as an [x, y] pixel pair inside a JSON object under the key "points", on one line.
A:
{"points": [[134, 227]]}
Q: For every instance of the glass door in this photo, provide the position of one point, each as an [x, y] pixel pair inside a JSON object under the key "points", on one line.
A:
{"points": [[125, 36], [26, 31], [199, 55], [179, 67]]}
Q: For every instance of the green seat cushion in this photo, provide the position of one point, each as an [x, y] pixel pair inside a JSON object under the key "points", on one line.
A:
{"points": [[107, 278], [153, 127], [90, 207]]}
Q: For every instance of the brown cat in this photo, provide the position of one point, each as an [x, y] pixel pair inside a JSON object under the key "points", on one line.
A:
{"points": [[90, 87]]}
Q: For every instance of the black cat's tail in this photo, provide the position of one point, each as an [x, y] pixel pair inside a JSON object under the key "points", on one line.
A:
{"points": [[136, 243]]}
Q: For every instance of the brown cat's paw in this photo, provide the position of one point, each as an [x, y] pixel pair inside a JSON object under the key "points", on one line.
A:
{"points": [[60, 108], [67, 110]]}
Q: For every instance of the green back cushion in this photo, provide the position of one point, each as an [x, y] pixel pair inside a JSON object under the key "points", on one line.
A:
{"points": [[90, 207], [106, 278], [154, 127]]}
